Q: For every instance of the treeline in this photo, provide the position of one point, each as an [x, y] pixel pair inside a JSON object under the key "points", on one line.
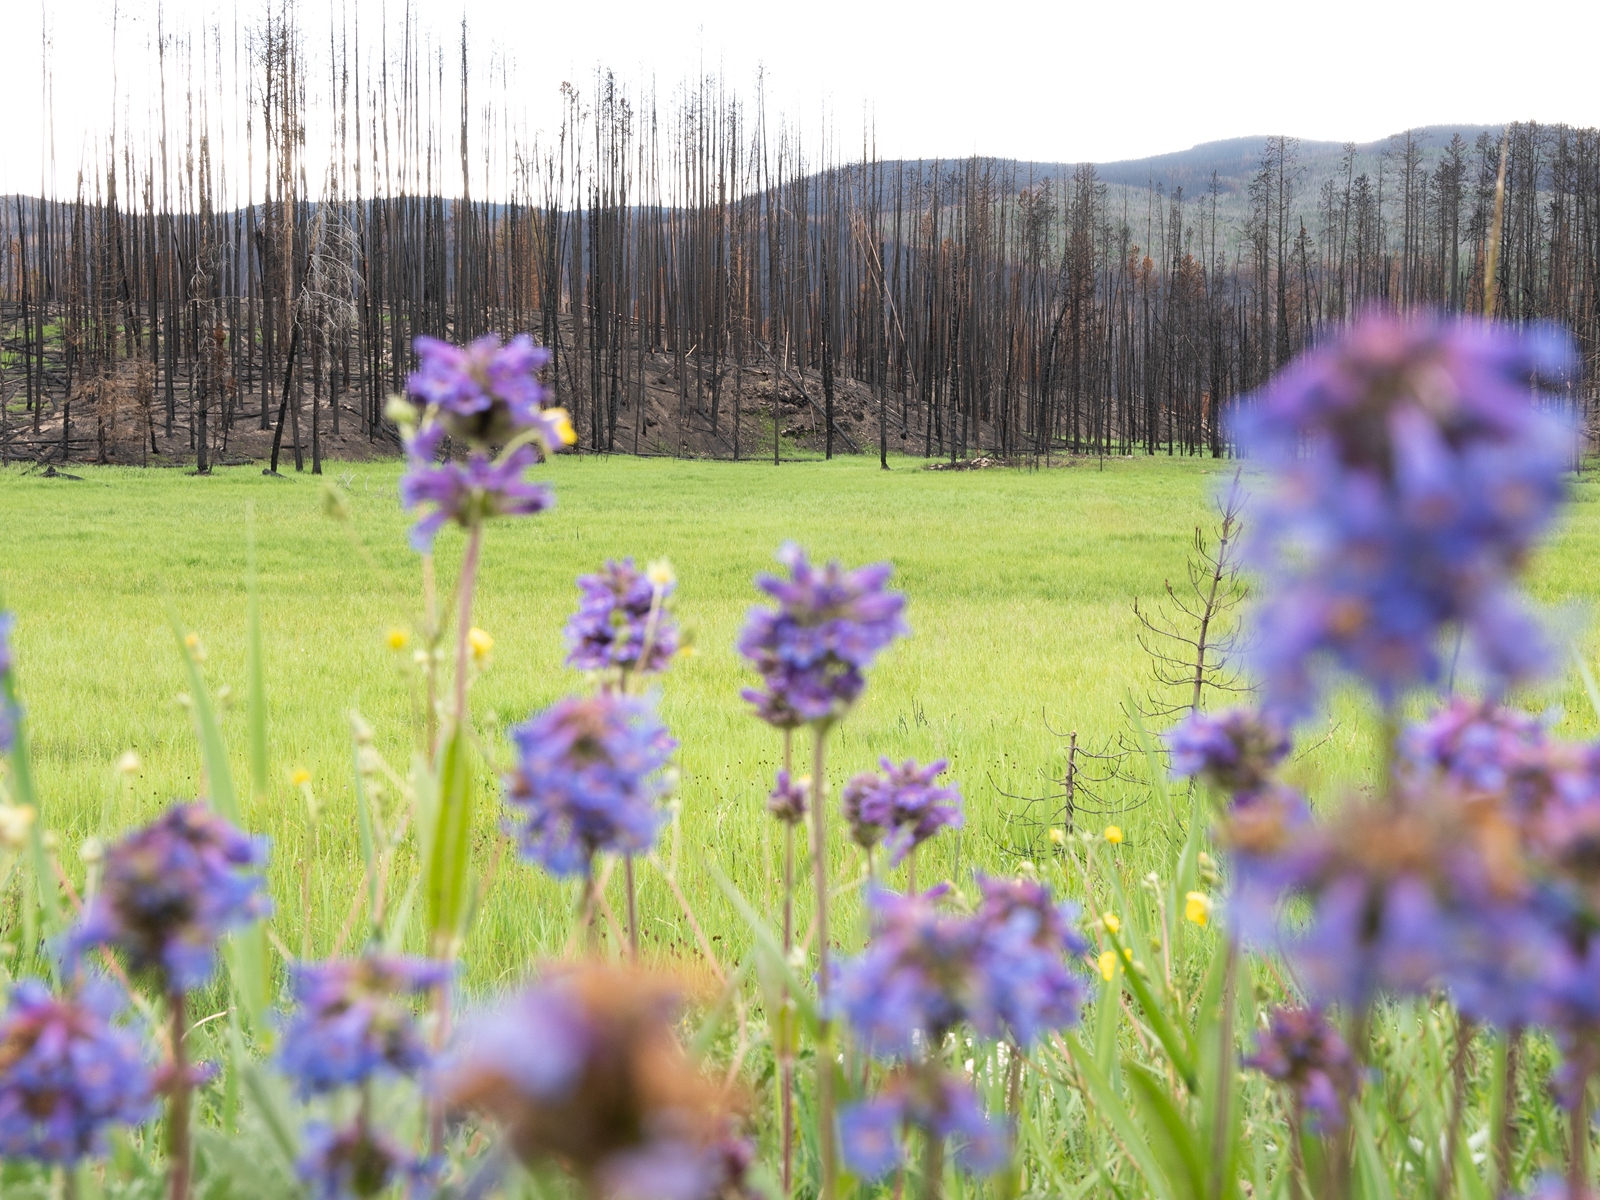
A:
{"points": [[989, 306]]}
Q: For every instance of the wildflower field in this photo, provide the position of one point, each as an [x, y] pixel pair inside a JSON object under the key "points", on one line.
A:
{"points": [[353, 851]]}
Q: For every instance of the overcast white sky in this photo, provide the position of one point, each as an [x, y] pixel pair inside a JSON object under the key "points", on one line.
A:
{"points": [[1056, 82]]}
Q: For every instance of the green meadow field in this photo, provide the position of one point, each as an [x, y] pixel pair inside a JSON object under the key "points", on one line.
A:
{"points": [[1020, 588]]}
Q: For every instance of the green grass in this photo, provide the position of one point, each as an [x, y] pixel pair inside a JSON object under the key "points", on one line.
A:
{"points": [[1020, 587]]}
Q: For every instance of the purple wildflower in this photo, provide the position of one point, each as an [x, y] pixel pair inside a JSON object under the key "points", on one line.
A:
{"points": [[1025, 982], [1415, 474], [172, 890], [622, 621], [1302, 1051], [942, 1107], [1236, 752], [587, 779], [67, 1074], [584, 1068], [828, 627], [903, 802], [357, 1162], [469, 492], [788, 799], [486, 393], [354, 1022], [926, 970]]}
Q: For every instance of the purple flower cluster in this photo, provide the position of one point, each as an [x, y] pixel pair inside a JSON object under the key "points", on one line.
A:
{"points": [[1302, 1051], [925, 970], [622, 622], [904, 802], [1237, 751], [171, 890], [484, 395], [787, 801], [942, 1107], [358, 1162], [584, 1068], [470, 492], [811, 650], [354, 1021], [1414, 472], [67, 1074], [587, 779]]}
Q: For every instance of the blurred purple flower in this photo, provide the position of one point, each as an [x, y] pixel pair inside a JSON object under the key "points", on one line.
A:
{"points": [[358, 1162], [1302, 1051], [937, 1104], [1026, 939], [788, 799], [904, 803], [926, 970], [584, 1068], [67, 1074], [613, 627], [1415, 472], [469, 492], [828, 627], [171, 890], [354, 1021], [587, 779], [486, 393], [1236, 751]]}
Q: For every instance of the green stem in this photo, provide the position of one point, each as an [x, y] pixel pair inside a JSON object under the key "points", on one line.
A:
{"points": [[1225, 1068], [1458, 1104], [633, 909], [468, 581], [819, 854]]}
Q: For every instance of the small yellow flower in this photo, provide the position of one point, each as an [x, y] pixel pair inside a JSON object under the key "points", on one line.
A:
{"points": [[129, 763], [1058, 837], [687, 650], [300, 777], [192, 641], [660, 574], [481, 644], [1114, 834], [1112, 923], [561, 422], [1197, 907], [15, 821], [397, 638], [1108, 965]]}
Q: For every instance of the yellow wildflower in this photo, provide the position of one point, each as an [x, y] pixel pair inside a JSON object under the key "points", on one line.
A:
{"points": [[1197, 907], [660, 573], [192, 641], [1111, 922], [129, 763], [561, 421], [300, 777], [1108, 965], [397, 638], [1114, 834], [1058, 837], [481, 644]]}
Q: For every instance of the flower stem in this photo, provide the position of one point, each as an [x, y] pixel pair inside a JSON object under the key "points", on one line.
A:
{"points": [[785, 1011], [1458, 1104], [1505, 1125], [932, 1166], [468, 581], [178, 1102], [819, 855], [1578, 1154], [1225, 1069], [633, 909]]}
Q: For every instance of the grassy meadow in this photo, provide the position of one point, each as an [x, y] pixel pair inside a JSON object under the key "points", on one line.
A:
{"points": [[1020, 587]]}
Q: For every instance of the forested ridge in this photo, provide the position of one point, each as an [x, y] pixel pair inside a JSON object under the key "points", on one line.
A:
{"points": [[710, 277]]}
